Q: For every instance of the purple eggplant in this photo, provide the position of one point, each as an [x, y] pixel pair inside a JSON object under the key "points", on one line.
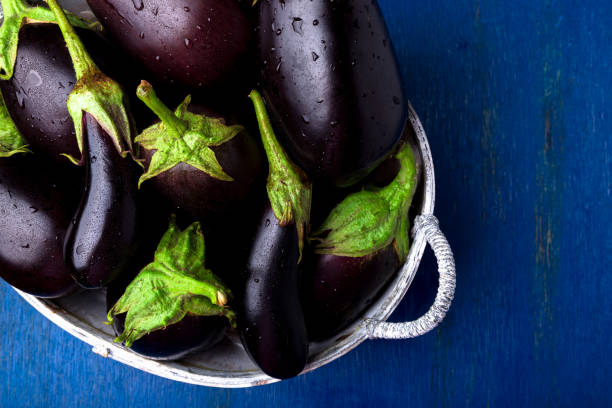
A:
{"points": [[193, 333], [205, 168], [358, 249], [196, 44], [271, 319], [105, 231], [37, 200], [333, 85], [175, 305]]}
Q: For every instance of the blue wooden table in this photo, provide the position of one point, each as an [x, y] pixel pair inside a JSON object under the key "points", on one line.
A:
{"points": [[515, 97]]}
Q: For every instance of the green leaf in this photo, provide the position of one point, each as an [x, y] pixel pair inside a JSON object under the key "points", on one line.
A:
{"points": [[94, 92], [289, 189], [182, 137], [16, 14], [370, 220], [174, 285], [11, 141]]}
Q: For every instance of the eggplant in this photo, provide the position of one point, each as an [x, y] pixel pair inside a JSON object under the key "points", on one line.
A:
{"points": [[175, 305], [333, 85], [359, 248], [37, 93], [196, 44], [37, 200], [193, 333], [105, 230], [272, 324], [105, 233], [205, 188]]}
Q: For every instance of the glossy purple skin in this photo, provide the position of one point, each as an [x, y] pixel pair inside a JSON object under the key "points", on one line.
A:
{"points": [[196, 43], [271, 319], [196, 194], [332, 83], [37, 201], [337, 290], [193, 333], [36, 95], [105, 232]]}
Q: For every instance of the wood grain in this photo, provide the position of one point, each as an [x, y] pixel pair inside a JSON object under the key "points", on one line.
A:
{"points": [[515, 99]]}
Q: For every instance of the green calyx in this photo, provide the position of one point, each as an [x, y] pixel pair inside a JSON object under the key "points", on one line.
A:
{"points": [[174, 285], [370, 220], [94, 92], [182, 137], [289, 189], [11, 141], [17, 13]]}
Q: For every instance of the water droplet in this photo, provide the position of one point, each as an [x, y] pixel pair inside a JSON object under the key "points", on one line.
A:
{"points": [[94, 159], [256, 280], [80, 250], [199, 27], [333, 123], [305, 119], [315, 56], [33, 209], [315, 22], [188, 43], [396, 100], [186, 9], [279, 31], [138, 4], [278, 67], [26, 246], [21, 95], [141, 35], [320, 101], [157, 58], [155, 11], [33, 79], [297, 25], [267, 223]]}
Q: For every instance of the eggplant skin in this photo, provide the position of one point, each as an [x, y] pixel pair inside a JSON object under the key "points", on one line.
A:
{"points": [[271, 321], [104, 234], [338, 289], [193, 43], [44, 76], [36, 204], [193, 193], [332, 84], [193, 333]]}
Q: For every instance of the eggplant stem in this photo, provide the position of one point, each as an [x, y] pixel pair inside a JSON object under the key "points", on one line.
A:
{"points": [[173, 124], [83, 64]]}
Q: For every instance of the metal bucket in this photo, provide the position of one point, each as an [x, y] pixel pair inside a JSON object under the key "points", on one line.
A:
{"points": [[227, 365]]}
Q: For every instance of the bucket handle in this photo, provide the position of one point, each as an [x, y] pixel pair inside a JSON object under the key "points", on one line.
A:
{"points": [[429, 226]]}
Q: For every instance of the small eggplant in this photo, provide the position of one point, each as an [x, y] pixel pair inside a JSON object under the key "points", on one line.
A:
{"points": [[359, 248], [193, 333], [204, 168], [104, 235], [196, 44], [333, 85], [105, 231], [175, 305], [37, 201], [272, 322]]}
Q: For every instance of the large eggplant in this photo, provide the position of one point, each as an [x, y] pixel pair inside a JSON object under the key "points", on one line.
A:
{"points": [[332, 83], [43, 77], [204, 167], [359, 248], [196, 44], [37, 200]]}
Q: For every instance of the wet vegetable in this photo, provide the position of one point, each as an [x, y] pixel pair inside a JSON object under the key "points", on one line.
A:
{"points": [[272, 322], [358, 249], [333, 85], [105, 231], [196, 44], [37, 201], [175, 305], [204, 167]]}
